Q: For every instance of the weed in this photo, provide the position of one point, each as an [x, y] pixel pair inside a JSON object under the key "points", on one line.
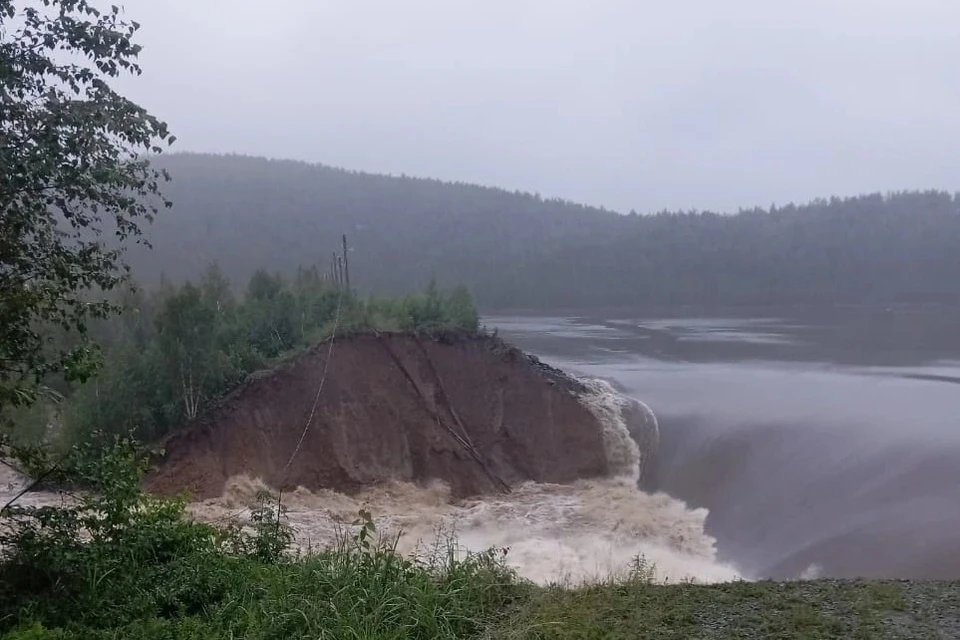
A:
{"points": [[118, 563]]}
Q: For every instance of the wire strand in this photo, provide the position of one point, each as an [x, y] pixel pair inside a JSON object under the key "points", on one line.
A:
{"points": [[316, 398]]}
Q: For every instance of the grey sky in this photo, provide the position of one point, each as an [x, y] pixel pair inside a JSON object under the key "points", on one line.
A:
{"points": [[622, 103]]}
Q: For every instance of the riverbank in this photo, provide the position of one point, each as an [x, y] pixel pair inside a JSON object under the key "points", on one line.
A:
{"points": [[360, 593], [762, 610]]}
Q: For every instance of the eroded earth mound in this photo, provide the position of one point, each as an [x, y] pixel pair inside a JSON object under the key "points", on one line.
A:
{"points": [[470, 411]]}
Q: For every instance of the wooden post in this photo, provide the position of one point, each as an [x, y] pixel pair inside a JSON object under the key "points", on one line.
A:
{"points": [[340, 272], [346, 263], [333, 270]]}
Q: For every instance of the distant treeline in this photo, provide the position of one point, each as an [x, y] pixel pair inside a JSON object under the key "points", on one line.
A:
{"points": [[517, 250]]}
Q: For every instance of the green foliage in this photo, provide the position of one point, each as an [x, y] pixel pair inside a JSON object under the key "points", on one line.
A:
{"points": [[69, 150], [271, 537], [176, 351], [460, 310], [423, 311], [112, 555], [119, 563], [271, 315], [431, 311], [33, 421]]}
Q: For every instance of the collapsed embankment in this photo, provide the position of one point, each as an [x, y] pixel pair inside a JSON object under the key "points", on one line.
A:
{"points": [[459, 434], [469, 411]]}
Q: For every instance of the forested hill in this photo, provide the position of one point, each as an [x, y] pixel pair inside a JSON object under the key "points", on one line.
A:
{"points": [[519, 250]]}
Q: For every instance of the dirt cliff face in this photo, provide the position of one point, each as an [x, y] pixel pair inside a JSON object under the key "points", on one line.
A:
{"points": [[470, 411]]}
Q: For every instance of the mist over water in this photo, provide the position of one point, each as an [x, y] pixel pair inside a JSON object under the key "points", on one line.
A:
{"points": [[819, 446]]}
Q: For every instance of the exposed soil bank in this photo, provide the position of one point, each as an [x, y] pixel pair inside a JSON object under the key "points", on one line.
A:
{"points": [[470, 411]]}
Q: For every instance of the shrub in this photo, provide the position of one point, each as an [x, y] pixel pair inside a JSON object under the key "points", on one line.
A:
{"points": [[117, 563], [110, 554]]}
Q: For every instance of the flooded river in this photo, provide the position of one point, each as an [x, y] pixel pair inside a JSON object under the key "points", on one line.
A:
{"points": [[823, 443]]}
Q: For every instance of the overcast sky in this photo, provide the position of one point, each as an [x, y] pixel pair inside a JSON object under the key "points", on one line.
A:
{"points": [[622, 103]]}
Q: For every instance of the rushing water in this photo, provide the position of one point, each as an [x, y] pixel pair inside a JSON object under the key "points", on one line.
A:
{"points": [[821, 443], [791, 444], [589, 531]]}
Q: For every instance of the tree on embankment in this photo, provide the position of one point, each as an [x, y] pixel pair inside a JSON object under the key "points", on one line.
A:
{"points": [[75, 187]]}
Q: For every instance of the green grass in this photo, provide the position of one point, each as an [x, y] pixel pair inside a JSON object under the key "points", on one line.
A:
{"points": [[328, 596], [347, 592], [809, 610], [341, 595]]}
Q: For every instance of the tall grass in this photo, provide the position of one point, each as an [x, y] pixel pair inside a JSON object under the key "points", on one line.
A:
{"points": [[120, 564]]}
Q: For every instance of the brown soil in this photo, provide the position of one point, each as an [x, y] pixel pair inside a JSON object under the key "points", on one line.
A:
{"points": [[470, 411]]}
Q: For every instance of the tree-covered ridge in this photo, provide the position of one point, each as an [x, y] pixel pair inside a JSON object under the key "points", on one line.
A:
{"points": [[868, 249], [242, 211], [177, 349], [523, 251]]}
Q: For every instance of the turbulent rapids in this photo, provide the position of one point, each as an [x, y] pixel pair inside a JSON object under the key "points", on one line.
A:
{"points": [[589, 530], [426, 436]]}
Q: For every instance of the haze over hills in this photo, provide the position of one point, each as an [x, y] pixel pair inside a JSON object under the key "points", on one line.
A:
{"points": [[522, 251]]}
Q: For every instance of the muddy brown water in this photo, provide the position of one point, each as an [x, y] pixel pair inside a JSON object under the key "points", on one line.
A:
{"points": [[820, 442]]}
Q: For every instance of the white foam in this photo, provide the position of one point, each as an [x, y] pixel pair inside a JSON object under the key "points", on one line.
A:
{"points": [[589, 531], [585, 532], [623, 454]]}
